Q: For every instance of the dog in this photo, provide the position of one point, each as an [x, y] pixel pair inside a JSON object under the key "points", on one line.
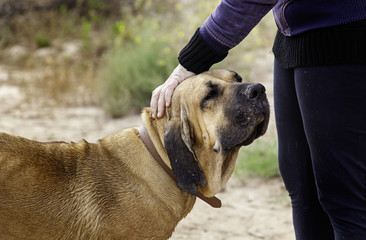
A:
{"points": [[115, 189]]}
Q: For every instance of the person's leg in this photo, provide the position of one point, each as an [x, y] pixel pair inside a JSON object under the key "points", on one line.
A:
{"points": [[332, 100], [310, 220]]}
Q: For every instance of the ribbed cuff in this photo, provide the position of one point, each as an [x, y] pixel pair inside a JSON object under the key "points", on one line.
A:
{"points": [[197, 56], [345, 44]]}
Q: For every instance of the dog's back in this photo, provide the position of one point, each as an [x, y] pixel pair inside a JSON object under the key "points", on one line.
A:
{"points": [[61, 190], [37, 190]]}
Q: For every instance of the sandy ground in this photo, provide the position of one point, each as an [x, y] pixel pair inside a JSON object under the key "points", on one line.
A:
{"points": [[257, 209]]}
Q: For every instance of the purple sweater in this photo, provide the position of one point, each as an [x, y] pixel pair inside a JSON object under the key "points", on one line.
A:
{"points": [[232, 21]]}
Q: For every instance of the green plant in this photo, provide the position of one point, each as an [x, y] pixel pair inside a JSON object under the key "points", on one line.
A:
{"points": [[42, 41], [63, 9], [132, 71], [95, 4], [85, 34], [258, 160]]}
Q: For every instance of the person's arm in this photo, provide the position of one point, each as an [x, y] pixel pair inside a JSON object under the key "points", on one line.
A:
{"points": [[226, 27]]}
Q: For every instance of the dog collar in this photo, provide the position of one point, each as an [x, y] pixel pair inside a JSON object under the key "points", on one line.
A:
{"points": [[212, 201]]}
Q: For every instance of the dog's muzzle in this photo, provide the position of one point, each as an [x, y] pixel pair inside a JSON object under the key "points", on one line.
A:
{"points": [[248, 115]]}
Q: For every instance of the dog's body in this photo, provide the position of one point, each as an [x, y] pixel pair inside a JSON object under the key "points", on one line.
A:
{"points": [[114, 189]]}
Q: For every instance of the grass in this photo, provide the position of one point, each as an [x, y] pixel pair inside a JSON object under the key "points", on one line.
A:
{"points": [[134, 68], [42, 41], [258, 159], [130, 75]]}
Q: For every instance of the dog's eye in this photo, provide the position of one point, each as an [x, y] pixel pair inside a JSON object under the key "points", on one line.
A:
{"points": [[211, 94]]}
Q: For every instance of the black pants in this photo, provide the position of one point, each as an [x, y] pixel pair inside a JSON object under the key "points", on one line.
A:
{"points": [[321, 123]]}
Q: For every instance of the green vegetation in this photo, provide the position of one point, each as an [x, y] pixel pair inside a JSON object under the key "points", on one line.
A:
{"points": [[42, 41], [134, 70], [143, 55], [258, 159]]}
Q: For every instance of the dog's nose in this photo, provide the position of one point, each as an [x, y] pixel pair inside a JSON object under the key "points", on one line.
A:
{"points": [[255, 90]]}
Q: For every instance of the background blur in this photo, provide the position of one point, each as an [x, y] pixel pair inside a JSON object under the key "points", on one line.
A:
{"points": [[102, 59], [74, 69]]}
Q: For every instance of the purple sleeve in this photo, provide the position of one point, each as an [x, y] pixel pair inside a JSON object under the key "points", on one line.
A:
{"points": [[226, 27], [232, 21]]}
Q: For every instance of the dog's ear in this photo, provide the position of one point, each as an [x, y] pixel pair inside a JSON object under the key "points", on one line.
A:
{"points": [[178, 142]]}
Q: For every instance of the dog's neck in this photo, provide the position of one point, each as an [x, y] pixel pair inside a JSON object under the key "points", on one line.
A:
{"points": [[154, 141]]}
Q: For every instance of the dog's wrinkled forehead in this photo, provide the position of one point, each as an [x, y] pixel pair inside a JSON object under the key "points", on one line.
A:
{"points": [[213, 84], [204, 89], [225, 75]]}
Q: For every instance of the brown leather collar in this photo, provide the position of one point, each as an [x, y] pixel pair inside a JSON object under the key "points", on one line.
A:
{"points": [[213, 201]]}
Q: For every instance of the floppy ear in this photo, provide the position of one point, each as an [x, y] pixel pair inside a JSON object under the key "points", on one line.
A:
{"points": [[184, 162]]}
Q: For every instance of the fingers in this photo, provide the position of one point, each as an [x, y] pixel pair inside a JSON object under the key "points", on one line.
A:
{"points": [[162, 95], [154, 101], [169, 91], [161, 103]]}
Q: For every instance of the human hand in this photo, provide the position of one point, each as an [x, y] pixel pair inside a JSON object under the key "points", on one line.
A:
{"points": [[162, 95]]}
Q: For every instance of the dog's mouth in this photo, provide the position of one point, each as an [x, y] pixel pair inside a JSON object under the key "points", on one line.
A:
{"points": [[255, 133], [258, 131], [261, 128]]}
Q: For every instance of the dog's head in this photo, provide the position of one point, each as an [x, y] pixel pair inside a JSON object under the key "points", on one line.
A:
{"points": [[212, 115]]}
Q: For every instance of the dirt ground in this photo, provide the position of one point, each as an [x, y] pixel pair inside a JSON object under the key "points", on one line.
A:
{"points": [[257, 209]]}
